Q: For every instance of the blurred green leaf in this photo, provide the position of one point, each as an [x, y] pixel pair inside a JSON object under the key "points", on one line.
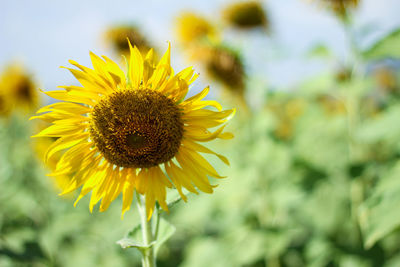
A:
{"points": [[378, 216], [318, 252], [388, 46], [165, 231], [207, 251]]}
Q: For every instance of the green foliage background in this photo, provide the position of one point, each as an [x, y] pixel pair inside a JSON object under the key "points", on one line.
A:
{"points": [[314, 181]]}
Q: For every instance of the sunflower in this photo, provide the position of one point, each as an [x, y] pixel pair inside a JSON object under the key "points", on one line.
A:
{"points": [[17, 90], [117, 36], [134, 132], [340, 7], [192, 28], [386, 79], [246, 15], [226, 66]]}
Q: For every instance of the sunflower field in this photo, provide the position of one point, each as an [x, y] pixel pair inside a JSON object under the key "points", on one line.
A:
{"points": [[217, 133]]}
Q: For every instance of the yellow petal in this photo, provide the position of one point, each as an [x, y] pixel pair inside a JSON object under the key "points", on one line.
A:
{"points": [[64, 96], [63, 143], [141, 181], [60, 130], [200, 148], [175, 180], [201, 104], [90, 80], [65, 107], [82, 177], [112, 190], [197, 177], [99, 191], [135, 72], [197, 97], [207, 136], [148, 67], [51, 117], [199, 162], [127, 191], [208, 114], [162, 70]]}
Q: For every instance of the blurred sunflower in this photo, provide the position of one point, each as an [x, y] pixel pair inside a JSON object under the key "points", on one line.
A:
{"points": [[121, 130], [386, 79], [226, 66], [339, 7], [4, 110], [343, 74], [331, 105], [286, 113], [117, 36], [246, 15], [17, 91], [192, 28]]}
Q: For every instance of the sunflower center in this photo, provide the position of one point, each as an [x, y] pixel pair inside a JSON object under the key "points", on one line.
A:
{"points": [[24, 88], [137, 128]]}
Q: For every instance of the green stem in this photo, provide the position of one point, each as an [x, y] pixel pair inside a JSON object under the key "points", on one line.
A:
{"points": [[157, 213], [353, 108], [148, 257], [353, 97]]}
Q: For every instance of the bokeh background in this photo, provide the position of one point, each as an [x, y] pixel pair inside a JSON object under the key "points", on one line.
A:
{"points": [[314, 177]]}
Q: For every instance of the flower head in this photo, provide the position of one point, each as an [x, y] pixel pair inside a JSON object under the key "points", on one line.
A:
{"points": [[226, 66], [246, 15], [386, 79], [117, 37], [17, 91], [192, 28], [121, 132], [340, 7]]}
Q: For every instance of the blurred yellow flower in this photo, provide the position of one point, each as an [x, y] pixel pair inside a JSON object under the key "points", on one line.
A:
{"points": [[343, 74], [286, 112], [192, 28], [339, 7], [121, 131], [17, 91], [225, 66], [371, 106], [246, 14], [331, 104], [117, 37], [386, 79]]}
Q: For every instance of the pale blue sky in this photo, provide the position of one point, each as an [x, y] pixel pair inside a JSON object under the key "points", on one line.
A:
{"points": [[44, 34]]}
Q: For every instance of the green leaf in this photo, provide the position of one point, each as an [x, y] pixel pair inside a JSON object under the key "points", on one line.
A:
{"points": [[165, 231], [134, 240], [131, 243], [388, 46], [378, 215]]}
